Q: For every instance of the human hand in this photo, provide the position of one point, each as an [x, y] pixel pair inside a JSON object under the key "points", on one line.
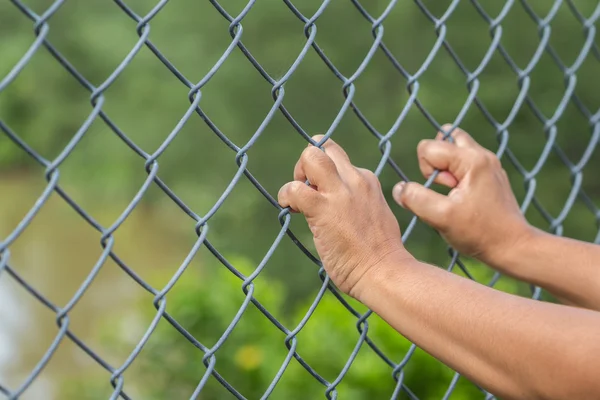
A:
{"points": [[480, 217], [354, 229]]}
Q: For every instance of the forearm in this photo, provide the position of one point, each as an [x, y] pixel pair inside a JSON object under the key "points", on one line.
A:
{"points": [[514, 347], [567, 268]]}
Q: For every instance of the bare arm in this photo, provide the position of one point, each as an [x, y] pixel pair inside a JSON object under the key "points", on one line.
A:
{"points": [[480, 217], [567, 268], [512, 346]]}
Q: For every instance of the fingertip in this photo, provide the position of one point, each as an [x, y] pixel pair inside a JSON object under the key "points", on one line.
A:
{"points": [[397, 192], [284, 197], [281, 198], [318, 137]]}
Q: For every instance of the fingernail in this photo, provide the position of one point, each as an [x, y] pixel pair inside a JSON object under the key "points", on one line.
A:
{"points": [[397, 191]]}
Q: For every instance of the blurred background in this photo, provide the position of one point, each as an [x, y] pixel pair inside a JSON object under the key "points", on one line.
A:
{"points": [[45, 105]]}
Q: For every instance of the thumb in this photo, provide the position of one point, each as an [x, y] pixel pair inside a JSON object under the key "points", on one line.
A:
{"points": [[431, 207]]}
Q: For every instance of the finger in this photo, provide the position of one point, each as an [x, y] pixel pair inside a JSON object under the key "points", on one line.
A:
{"points": [[318, 168], [442, 156], [446, 178], [336, 153], [461, 138], [431, 207], [300, 198]]}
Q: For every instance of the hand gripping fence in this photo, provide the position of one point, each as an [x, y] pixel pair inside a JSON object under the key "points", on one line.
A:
{"points": [[116, 373]]}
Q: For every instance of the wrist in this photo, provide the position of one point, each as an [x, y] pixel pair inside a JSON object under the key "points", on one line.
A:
{"points": [[511, 256], [388, 268]]}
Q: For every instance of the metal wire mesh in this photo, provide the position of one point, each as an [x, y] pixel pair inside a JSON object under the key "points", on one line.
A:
{"points": [[116, 373]]}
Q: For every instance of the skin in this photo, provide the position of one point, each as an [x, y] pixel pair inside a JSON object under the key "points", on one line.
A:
{"points": [[514, 347]]}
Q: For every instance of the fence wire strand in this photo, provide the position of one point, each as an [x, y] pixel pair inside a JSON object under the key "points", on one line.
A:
{"points": [[201, 222]]}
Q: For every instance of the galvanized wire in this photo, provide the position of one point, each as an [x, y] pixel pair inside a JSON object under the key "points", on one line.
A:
{"points": [[115, 373]]}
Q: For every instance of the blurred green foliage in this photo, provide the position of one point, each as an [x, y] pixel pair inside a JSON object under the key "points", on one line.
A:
{"points": [[45, 106], [204, 303]]}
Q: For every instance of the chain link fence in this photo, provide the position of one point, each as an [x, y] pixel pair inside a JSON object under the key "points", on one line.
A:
{"points": [[545, 18]]}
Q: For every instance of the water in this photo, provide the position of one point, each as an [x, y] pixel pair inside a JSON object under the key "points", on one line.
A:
{"points": [[55, 254]]}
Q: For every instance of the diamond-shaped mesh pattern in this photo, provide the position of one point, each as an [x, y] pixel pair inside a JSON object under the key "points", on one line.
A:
{"points": [[545, 132]]}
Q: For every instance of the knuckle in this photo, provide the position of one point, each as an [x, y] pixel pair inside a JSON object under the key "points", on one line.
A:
{"points": [[494, 161], [372, 179], [485, 159], [479, 158], [310, 154], [446, 129], [328, 144], [305, 154], [423, 146], [369, 175]]}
